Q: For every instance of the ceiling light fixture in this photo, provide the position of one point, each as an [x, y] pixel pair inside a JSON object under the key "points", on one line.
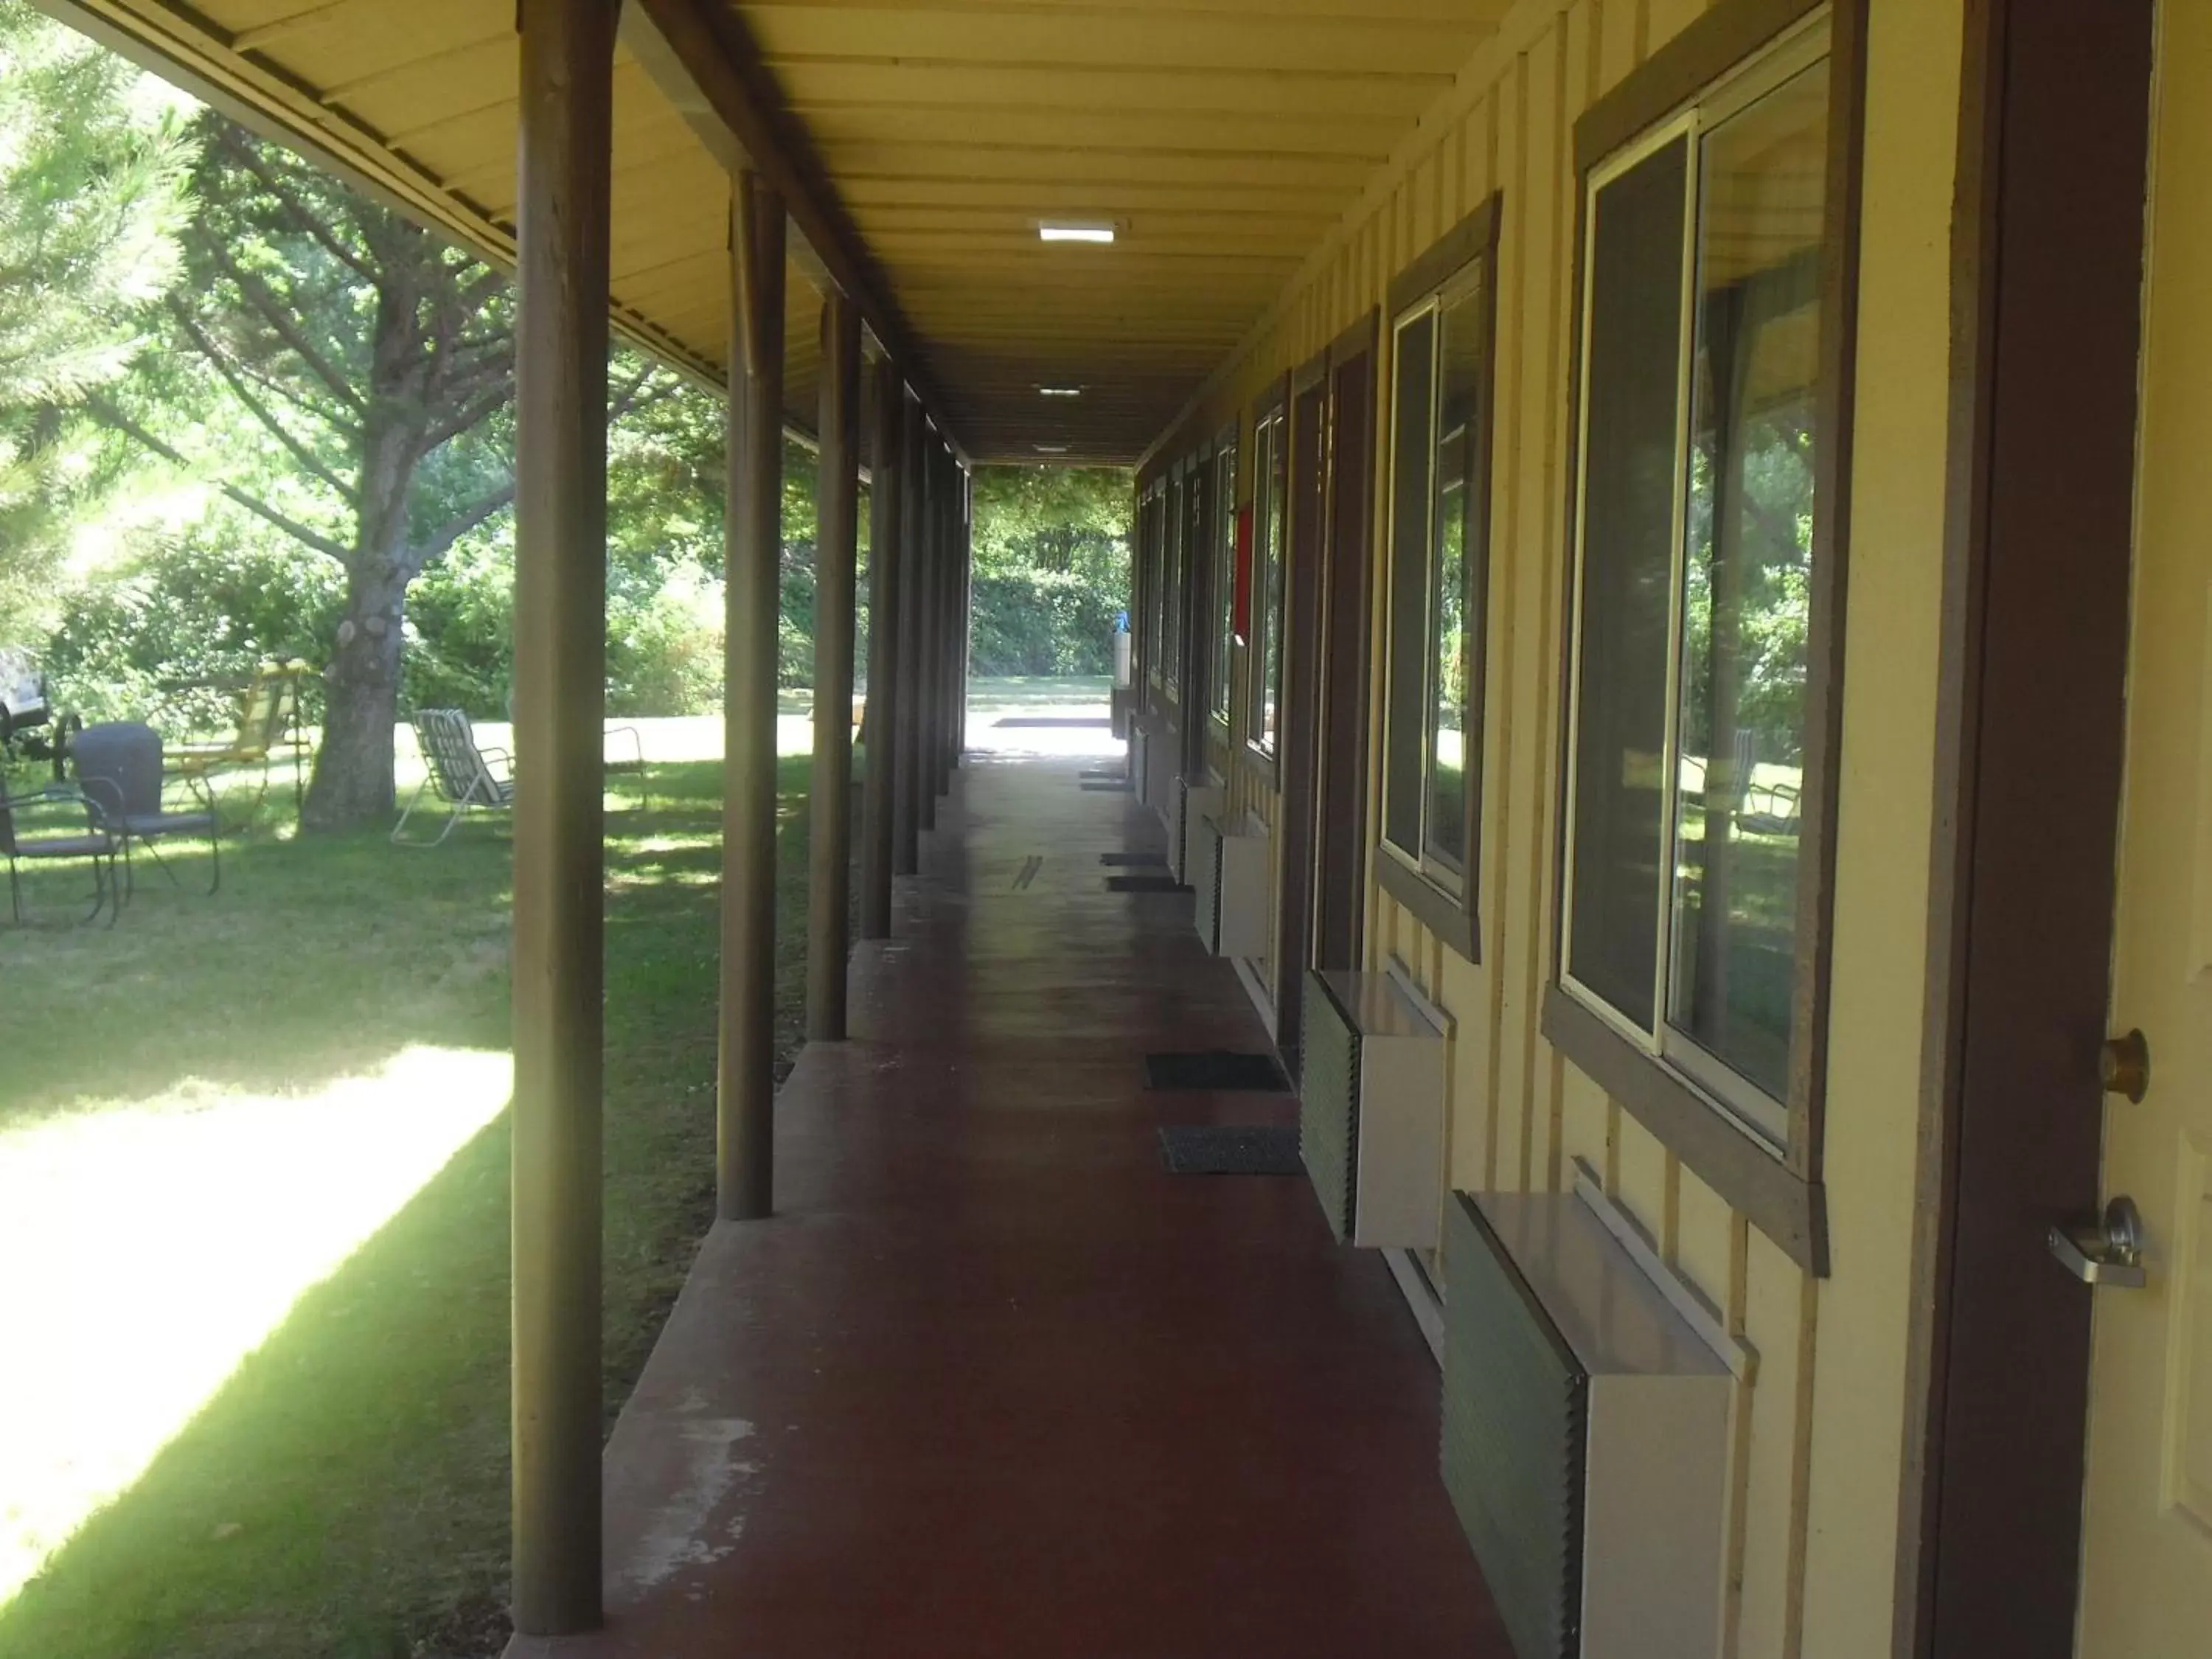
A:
{"points": [[1060, 392], [1052, 449], [1074, 230]]}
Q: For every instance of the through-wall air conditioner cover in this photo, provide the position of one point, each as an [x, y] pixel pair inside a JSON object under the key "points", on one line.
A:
{"points": [[1190, 803], [1161, 771], [1228, 872], [1371, 1110], [1585, 1441]]}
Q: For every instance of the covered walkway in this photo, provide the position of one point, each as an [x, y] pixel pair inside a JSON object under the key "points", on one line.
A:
{"points": [[991, 1382]]}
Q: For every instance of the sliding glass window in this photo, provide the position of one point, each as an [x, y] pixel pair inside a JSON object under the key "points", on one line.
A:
{"points": [[1172, 590], [1439, 566], [1264, 658], [1224, 539], [1704, 316]]}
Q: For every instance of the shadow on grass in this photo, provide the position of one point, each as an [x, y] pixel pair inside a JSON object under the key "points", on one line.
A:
{"points": [[320, 957], [345, 1491]]}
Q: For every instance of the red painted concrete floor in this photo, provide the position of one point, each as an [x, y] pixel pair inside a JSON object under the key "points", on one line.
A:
{"points": [[992, 1382]]}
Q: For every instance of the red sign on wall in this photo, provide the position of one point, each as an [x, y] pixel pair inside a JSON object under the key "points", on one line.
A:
{"points": [[1241, 617]]}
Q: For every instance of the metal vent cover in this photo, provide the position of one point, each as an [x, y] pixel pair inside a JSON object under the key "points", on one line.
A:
{"points": [[1514, 1440], [1205, 878], [1328, 1103]]}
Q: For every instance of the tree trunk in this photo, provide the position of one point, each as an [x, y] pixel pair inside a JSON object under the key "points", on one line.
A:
{"points": [[353, 765]]}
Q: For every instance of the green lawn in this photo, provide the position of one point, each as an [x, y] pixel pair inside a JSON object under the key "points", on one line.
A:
{"points": [[266, 1128]]}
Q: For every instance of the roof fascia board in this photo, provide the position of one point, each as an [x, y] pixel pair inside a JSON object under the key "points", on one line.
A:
{"points": [[712, 50]]}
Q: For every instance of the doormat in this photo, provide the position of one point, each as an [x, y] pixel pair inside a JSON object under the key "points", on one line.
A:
{"points": [[1105, 773], [1144, 884], [1132, 858], [1062, 722], [1215, 1068], [1107, 788], [1257, 1149]]}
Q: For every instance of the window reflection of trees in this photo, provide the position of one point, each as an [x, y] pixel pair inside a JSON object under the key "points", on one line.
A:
{"points": [[1747, 588], [1455, 616]]}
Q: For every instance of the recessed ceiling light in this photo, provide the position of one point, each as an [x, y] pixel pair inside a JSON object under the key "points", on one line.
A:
{"points": [[1052, 449], [1060, 392], [1074, 230]]}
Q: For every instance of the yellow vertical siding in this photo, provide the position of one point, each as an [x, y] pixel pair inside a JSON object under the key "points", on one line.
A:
{"points": [[1815, 1475], [1884, 828]]}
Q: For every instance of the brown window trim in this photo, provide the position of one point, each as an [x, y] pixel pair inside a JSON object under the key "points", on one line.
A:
{"points": [[1455, 919], [1733, 31], [1470, 240], [1784, 1194], [1447, 915], [1790, 1209]]}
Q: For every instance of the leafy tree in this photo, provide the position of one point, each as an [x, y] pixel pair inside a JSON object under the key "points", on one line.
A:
{"points": [[360, 374], [1052, 568], [93, 162]]}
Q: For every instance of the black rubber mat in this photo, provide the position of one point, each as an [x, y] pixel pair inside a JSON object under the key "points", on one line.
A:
{"points": [[1132, 858], [1214, 1068], [1257, 1149], [1107, 788], [1144, 884], [1064, 722]]}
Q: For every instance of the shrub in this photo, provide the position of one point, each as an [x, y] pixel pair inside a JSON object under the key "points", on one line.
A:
{"points": [[167, 634]]}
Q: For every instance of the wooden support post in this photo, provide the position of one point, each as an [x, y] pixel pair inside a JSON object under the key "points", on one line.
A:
{"points": [[929, 675], [885, 559], [560, 655], [752, 548], [913, 582], [940, 630], [954, 724], [967, 595], [837, 503]]}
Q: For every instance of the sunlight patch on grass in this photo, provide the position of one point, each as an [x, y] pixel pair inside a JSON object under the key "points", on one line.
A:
{"points": [[150, 1247]]}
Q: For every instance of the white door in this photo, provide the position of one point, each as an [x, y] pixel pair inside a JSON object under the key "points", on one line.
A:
{"points": [[2146, 1534]]}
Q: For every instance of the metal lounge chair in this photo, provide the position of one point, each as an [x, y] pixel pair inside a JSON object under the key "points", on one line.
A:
{"points": [[466, 775], [268, 724], [119, 770], [457, 771], [93, 840]]}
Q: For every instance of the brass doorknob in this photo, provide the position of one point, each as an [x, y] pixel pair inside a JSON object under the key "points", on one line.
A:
{"points": [[2123, 1066]]}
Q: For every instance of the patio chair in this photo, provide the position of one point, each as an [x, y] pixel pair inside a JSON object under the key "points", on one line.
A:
{"points": [[92, 841], [466, 775], [119, 771], [268, 723], [457, 771], [634, 762]]}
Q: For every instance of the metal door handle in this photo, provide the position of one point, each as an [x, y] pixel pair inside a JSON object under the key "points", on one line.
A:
{"points": [[2106, 1253]]}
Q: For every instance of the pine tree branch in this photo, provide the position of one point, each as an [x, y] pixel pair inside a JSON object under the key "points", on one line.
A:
{"points": [[240, 150], [286, 326], [314, 408], [109, 416], [298, 451], [626, 400], [469, 415], [435, 546]]}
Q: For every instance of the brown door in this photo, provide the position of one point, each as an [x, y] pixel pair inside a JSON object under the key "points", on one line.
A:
{"points": [[1198, 608], [1302, 561], [1339, 913], [2052, 187]]}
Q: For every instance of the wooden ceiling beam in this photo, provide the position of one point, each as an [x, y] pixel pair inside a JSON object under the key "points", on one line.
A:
{"points": [[877, 161], [707, 54], [1344, 41], [1483, 13], [816, 83]]}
